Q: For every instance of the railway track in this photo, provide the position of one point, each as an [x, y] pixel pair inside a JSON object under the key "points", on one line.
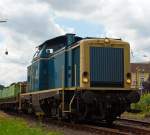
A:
{"points": [[133, 130], [100, 130], [116, 129], [133, 126], [86, 127], [134, 122]]}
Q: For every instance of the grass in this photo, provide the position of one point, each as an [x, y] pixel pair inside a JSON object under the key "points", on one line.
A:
{"points": [[143, 105], [18, 126]]}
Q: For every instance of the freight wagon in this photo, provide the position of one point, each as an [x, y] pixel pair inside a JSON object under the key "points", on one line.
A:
{"points": [[9, 96]]}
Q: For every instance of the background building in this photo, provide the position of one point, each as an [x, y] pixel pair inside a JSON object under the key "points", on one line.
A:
{"points": [[139, 72]]}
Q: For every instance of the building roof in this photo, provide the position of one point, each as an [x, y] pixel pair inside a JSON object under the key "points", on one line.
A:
{"points": [[145, 67]]}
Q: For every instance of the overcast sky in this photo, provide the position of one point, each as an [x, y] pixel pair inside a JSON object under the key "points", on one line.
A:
{"points": [[31, 22]]}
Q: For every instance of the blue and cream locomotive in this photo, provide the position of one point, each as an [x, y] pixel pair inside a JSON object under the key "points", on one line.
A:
{"points": [[80, 78]]}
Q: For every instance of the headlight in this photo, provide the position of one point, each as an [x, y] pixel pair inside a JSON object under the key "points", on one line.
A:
{"points": [[106, 40], [85, 77], [85, 80], [128, 81], [128, 78]]}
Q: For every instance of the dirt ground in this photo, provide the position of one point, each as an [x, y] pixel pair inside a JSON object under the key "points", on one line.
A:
{"points": [[67, 131]]}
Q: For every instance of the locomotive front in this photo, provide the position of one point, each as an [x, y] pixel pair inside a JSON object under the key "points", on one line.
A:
{"points": [[105, 63]]}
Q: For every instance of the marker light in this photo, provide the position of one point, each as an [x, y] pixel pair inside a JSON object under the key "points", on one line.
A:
{"points": [[128, 78], [128, 81], [106, 40], [85, 77]]}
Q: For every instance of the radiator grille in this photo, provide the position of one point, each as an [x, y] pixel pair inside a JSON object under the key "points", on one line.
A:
{"points": [[106, 67]]}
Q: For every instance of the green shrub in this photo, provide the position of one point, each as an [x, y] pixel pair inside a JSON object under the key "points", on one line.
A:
{"points": [[143, 104]]}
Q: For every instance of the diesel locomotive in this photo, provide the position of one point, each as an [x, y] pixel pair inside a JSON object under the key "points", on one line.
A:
{"points": [[77, 78]]}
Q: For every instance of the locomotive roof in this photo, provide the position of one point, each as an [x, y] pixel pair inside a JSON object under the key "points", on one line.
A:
{"points": [[61, 41], [58, 42]]}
